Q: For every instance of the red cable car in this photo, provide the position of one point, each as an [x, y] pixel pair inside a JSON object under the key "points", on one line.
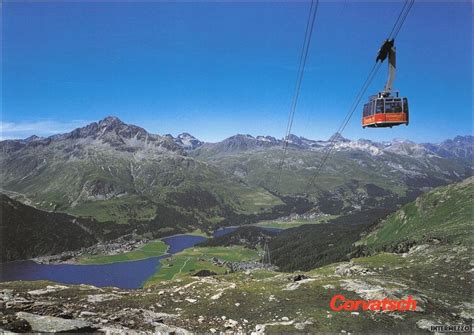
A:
{"points": [[386, 109]]}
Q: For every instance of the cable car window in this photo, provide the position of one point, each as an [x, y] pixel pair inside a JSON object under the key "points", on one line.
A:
{"points": [[393, 107], [372, 107], [379, 108], [405, 105]]}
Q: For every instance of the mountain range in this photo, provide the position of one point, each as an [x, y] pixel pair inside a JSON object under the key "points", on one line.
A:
{"points": [[115, 172], [111, 130]]}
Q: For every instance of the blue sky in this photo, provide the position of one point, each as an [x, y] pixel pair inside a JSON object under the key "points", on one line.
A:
{"points": [[215, 69]]}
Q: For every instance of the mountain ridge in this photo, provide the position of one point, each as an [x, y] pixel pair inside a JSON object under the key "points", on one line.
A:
{"points": [[114, 131]]}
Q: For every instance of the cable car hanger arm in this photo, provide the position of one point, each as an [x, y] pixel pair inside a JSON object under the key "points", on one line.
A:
{"points": [[388, 50]]}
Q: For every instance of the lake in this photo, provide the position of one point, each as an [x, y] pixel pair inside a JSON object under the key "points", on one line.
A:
{"points": [[131, 274], [123, 274]]}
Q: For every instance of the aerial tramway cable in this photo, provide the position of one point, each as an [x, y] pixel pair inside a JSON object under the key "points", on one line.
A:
{"points": [[398, 19], [393, 34], [304, 55], [411, 3], [344, 123]]}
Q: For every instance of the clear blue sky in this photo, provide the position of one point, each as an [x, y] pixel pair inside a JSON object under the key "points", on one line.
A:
{"points": [[217, 69]]}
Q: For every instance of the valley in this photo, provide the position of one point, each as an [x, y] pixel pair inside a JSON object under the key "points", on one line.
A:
{"points": [[143, 232], [436, 271]]}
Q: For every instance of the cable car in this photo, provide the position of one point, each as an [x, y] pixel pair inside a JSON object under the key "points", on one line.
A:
{"points": [[387, 108], [385, 111]]}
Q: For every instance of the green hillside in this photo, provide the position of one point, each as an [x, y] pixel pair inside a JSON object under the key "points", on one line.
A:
{"points": [[351, 179], [121, 186], [443, 214]]}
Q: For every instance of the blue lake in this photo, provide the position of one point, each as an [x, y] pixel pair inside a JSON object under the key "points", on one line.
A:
{"points": [[178, 243], [123, 274], [223, 231], [130, 274]]}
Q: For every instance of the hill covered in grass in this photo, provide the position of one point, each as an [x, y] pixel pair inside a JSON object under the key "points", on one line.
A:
{"points": [[442, 215]]}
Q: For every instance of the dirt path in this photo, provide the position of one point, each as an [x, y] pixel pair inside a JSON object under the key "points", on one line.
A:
{"points": [[186, 262]]}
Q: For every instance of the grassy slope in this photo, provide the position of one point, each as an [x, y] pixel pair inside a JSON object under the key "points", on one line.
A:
{"points": [[294, 223], [119, 210], [261, 167], [119, 186], [240, 198], [261, 297], [444, 213], [152, 249], [192, 260]]}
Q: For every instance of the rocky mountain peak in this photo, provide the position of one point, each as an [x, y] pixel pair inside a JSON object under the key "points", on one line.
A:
{"points": [[469, 139], [186, 135], [293, 139], [111, 122], [402, 140], [188, 141], [110, 129], [116, 133], [337, 137], [269, 139], [33, 138]]}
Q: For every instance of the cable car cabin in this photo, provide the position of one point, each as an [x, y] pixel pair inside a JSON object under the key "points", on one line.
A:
{"points": [[385, 111]]}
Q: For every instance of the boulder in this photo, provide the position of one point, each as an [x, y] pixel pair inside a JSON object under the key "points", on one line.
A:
{"points": [[298, 277], [6, 295], [94, 298], [204, 273], [48, 289], [13, 324], [51, 324], [351, 269]]}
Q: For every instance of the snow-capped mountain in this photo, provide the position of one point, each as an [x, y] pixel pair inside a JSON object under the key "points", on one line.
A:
{"points": [[188, 141], [115, 133]]}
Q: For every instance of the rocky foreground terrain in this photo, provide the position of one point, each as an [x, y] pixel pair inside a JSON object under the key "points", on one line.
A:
{"points": [[258, 301]]}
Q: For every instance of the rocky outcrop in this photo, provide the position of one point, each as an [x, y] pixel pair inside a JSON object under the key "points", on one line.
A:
{"points": [[204, 273], [351, 269], [44, 309], [51, 324]]}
